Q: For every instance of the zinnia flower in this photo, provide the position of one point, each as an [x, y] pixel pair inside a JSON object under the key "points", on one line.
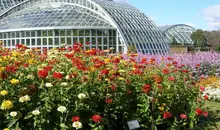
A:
{"points": [[57, 75], [49, 85], [96, 118], [206, 114], [7, 104], [183, 116], [4, 93], [77, 125], [13, 114], [61, 109], [75, 118], [198, 111], [42, 73], [36, 112], [166, 115], [14, 81], [81, 96]]}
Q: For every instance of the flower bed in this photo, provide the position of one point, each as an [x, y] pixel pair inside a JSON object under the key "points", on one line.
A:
{"points": [[212, 87], [66, 89]]}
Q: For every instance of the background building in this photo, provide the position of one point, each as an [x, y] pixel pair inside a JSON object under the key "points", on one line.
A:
{"points": [[179, 34], [103, 23]]}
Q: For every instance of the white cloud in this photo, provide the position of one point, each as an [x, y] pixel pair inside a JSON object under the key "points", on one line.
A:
{"points": [[212, 15]]}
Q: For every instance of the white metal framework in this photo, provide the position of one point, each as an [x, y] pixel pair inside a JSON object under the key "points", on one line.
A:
{"points": [[181, 32], [103, 23]]}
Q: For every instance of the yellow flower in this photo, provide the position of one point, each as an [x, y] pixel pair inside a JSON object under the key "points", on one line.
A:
{"points": [[120, 78], [121, 71], [14, 81], [4, 93], [7, 104], [161, 108], [6, 129], [2, 69]]}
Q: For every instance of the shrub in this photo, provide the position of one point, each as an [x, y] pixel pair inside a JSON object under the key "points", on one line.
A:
{"points": [[66, 88]]}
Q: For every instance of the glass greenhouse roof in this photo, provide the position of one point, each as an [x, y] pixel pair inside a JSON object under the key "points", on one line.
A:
{"points": [[181, 32], [133, 27], [54, 15], [136, 27]]}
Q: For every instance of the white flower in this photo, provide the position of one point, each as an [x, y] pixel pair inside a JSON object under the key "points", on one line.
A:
{"points": [[49, 85], [36, 112], [77, 125], [61, 109], [30, 76], [64, 84], [25, 98], [13, 113], [67, 77], [81, 96], [22, 99]]}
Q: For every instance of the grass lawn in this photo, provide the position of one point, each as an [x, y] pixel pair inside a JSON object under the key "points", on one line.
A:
{"points": [[213, 120]]}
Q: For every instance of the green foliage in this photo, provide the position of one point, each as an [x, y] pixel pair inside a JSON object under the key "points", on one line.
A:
{"points": [[198, 38], [174, 41]]}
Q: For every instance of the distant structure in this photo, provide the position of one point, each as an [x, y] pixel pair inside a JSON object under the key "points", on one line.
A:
{"points": [[178, 34], [102, 23]]}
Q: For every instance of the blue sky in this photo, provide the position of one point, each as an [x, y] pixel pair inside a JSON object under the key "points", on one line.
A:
{"points": [[202, 14]]}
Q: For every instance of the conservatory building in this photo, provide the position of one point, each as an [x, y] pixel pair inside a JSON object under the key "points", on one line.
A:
{"points": [[102, 23], [181, 33]]}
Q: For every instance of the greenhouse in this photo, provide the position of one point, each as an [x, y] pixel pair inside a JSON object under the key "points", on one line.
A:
{"points": [[179, 33], [99, 24]]}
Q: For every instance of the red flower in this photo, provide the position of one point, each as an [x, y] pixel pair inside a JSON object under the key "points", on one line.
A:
{"points": [[165, 71], [42, 73], [113, 88], [57, 75], [206, 97], [87, 43], [206, 114], [185, 71], [183, 116], [11, 69], [171, 78], [104, 72], [108, 100], [198, 111], [197, 65], [96, 118], [167, 115], [146, 88], [202, 88], [75, 118]]}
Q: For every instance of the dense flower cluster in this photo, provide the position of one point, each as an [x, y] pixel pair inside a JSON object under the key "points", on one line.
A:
{"points": [[70, 88]]}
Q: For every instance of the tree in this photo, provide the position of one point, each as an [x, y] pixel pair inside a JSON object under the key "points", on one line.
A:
{"points": [[174, 41], [198, 38]]}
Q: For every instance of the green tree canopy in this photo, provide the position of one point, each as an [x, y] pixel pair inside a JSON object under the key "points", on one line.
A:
{"points": [[198, 38]]}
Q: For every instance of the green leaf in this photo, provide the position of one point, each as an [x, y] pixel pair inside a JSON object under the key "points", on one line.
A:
{"points": [[28, 116]]}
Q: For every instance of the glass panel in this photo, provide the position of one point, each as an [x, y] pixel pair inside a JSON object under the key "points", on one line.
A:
{"points": [[63, 41], [22, 41], [39, 33], [56, 41], [13, 42], [44, 41], [38, 41], [81, 33], [62, 32], [27, 42], [87, 32], [32, 33], [22, 34], [69, 41], [81, 40], [50, 33], [33, 42], [17, 34], [50, 41], [99, 32], [68, 32], [13, 34], [75, 33], [56, 32], [44, 33]]}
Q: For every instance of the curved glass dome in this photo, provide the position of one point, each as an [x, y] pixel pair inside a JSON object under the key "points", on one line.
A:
{"points": [[103, 23], [181, 32]]}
